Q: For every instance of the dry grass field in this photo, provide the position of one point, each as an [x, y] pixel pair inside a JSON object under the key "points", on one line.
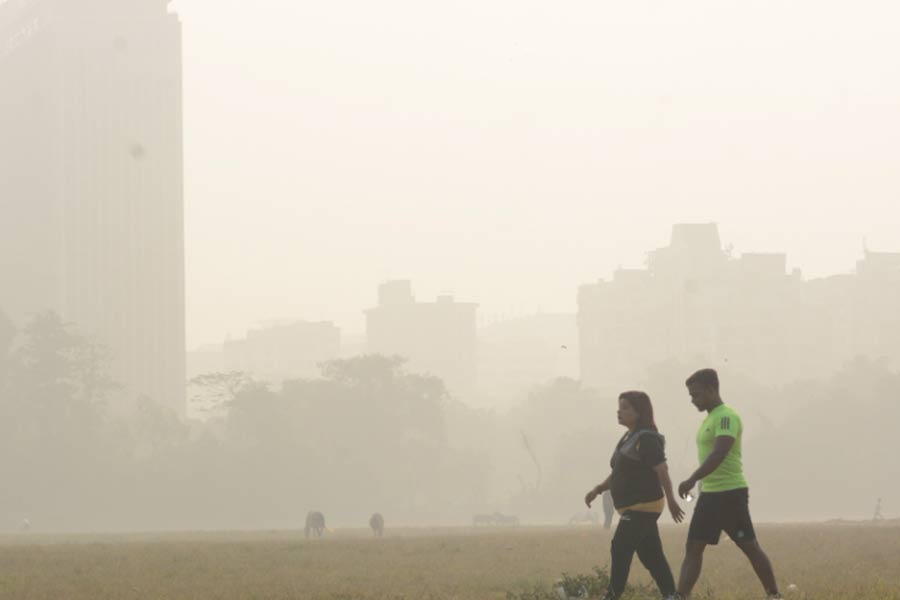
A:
{"points": [[825, 562]]}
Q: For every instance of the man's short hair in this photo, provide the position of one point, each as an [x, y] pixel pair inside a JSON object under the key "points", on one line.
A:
{"points": [[707, 378]]}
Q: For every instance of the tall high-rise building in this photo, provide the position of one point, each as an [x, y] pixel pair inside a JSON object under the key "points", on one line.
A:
{"points": [[91, 202]]}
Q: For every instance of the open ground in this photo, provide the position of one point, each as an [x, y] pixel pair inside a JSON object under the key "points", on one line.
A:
{"points": [[857, 561]]}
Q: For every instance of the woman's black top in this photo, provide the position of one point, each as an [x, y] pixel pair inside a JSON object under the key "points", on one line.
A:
{"points": [[633, 479]]}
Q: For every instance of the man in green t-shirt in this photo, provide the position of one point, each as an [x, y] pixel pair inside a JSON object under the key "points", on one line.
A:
{"points": [[723, 504]]}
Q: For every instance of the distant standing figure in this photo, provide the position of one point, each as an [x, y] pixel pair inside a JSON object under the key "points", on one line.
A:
{"points": [[609, 510], [376, 522], [878, 516], [315, 523], [26, 523]]}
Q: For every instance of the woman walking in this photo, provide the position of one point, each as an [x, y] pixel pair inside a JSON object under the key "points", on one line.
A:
{"points": [[640, 488]]}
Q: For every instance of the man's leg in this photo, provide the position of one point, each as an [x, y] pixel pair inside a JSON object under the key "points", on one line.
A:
{"points": [[761, 565], [690, 568], [705, 529], [739, 526]]}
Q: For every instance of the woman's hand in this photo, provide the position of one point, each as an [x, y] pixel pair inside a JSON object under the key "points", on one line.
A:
{"points": [[675, 511], [598, 489]]}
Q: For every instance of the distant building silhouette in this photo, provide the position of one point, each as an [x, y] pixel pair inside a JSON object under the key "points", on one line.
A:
{"points": [[696, 303], [282, 351], [873, 295], [91, 215], [438, 338], [520, 353]]}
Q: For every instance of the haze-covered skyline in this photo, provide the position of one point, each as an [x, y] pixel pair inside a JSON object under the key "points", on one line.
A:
{"points": [[523, 148], [511, 154]]}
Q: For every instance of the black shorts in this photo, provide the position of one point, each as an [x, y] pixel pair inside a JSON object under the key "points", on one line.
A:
{"points": [[722, 511]]}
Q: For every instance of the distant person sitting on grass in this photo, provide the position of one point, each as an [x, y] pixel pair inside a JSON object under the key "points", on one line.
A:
{"points": [[639, 478], [724, 500]]}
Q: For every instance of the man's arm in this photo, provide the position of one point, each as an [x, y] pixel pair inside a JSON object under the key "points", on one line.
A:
{"points": [[721, 448], [596, 491]]}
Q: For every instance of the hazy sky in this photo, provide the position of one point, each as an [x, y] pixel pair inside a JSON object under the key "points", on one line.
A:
{"points": [[510, 150]]}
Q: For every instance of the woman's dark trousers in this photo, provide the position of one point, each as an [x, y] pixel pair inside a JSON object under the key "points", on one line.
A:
{"points": [[637, 532]]}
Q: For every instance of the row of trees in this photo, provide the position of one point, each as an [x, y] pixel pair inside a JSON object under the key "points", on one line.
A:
{"points": [[365, 436], [369, 436]]}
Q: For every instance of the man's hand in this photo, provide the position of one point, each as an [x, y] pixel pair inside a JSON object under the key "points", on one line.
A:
{"points": [[590, 497], [676, 512], [685, 487]]}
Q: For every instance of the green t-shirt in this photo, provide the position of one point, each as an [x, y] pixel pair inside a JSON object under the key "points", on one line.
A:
{"points": [[722, 420]]}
